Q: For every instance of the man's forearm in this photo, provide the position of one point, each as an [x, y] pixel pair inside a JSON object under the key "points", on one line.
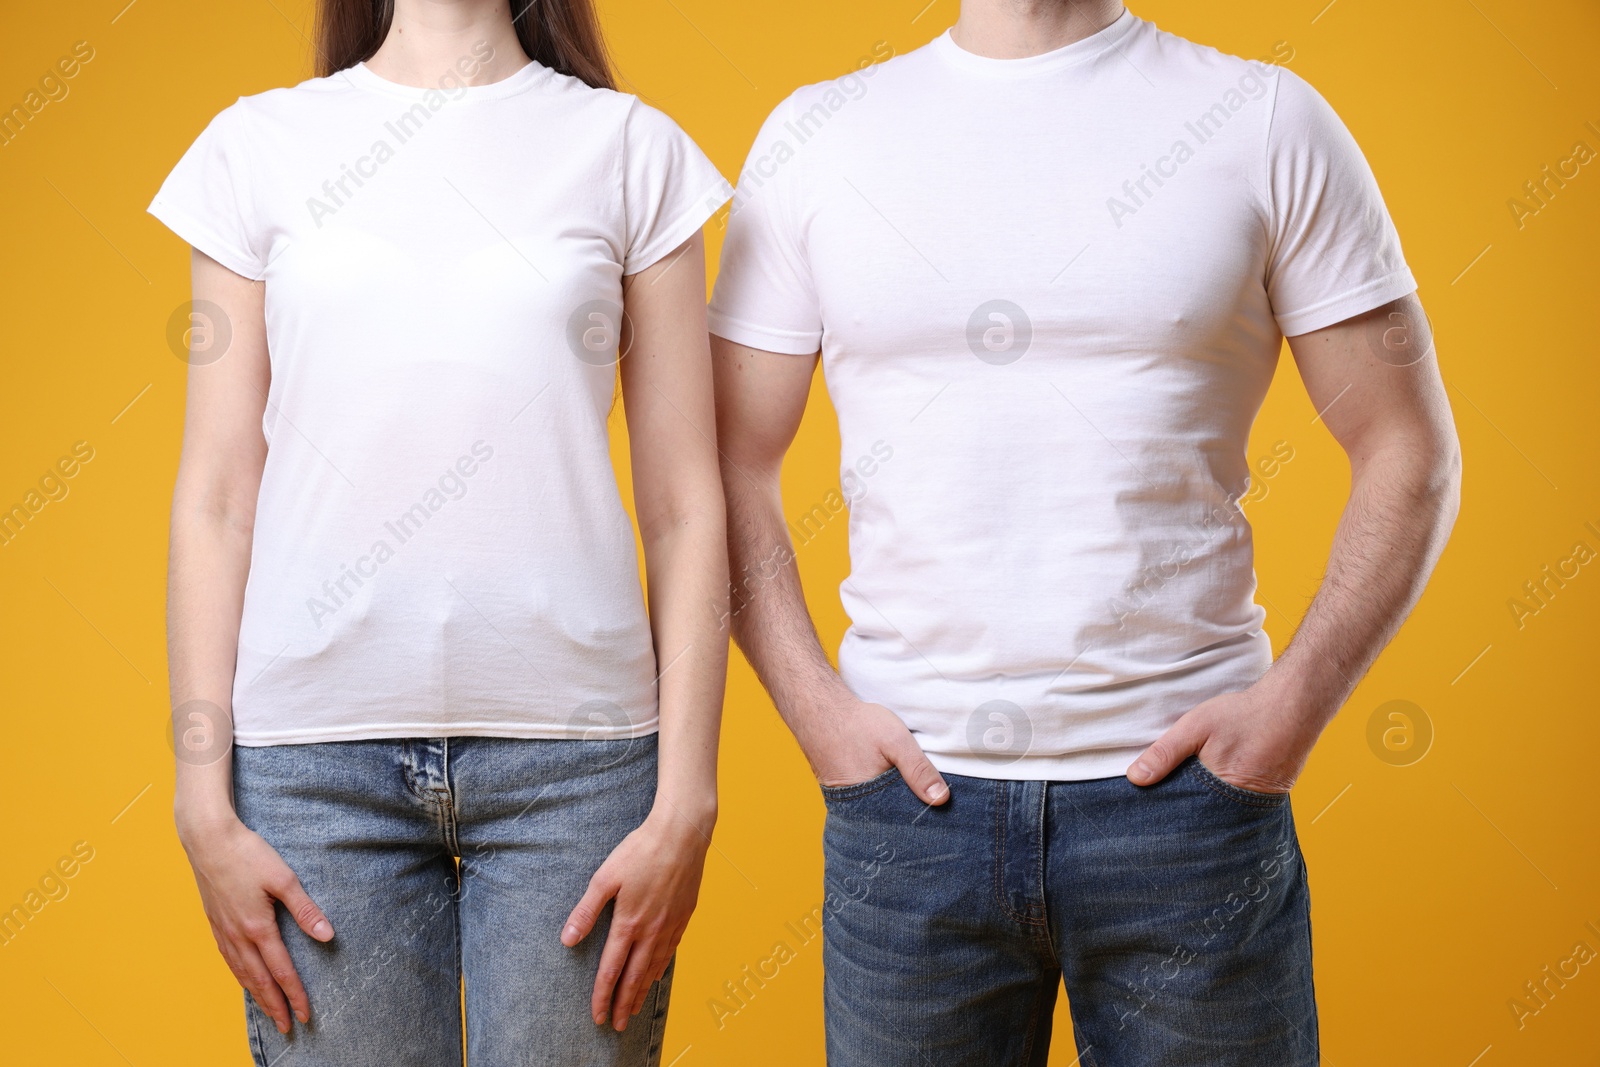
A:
{"points": [[767, 608], [1402, 505]]}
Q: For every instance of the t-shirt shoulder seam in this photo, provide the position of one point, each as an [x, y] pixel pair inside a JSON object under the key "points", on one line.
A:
{"points": [[1193, 45], [337, 82], [790, 203], [893, 63], [619, 177], [1269, 197]]}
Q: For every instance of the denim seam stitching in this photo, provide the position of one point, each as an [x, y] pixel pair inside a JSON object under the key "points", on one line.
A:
{"points": [[463, 1022], [410, 767], [1315, 1037], [1001, 806], [1234, 793], [861, 789], [999, 847], [1044, 897], [452, 829], [658, 1018], [1033, 1025], [445, 797], [258, 1048]]}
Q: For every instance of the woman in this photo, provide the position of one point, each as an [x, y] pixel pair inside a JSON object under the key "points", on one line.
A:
{"points": [[418, 690]]}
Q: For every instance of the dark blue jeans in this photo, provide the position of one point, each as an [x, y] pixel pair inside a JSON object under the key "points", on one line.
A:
{"points": [[1176, 915]]}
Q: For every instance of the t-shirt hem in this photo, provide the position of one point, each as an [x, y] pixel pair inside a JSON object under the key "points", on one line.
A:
{"points": [[201, 236], [766, 338], [1373, 294], [394, 731], [702, 208], [1071, 767]]}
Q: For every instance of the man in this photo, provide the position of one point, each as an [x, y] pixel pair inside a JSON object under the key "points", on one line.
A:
{"points": [[1049, 261]]}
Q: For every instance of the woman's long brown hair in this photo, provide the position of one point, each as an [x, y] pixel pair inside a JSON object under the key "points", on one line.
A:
{"points": [[563, 35]]}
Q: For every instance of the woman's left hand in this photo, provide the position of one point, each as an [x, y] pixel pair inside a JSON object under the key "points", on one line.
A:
{"points": [[654, 877]]}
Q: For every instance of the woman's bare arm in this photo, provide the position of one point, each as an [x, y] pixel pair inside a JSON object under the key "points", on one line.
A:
{"points": [[239, 875], [655, 873]]}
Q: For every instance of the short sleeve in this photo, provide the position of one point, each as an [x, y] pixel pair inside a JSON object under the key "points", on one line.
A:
{"points": [[765, 297], [669, 187], [206, 198], [1334, 250]]}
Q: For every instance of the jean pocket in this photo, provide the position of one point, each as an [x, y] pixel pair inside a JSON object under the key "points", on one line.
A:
{"points": [[1237, 793], [860, 789]]}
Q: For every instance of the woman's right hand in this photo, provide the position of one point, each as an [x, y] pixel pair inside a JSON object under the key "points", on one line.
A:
{"points": [[241, 880]]}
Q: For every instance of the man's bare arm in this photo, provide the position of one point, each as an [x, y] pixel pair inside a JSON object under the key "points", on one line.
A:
{"points": [[1394, 424], [761, 397], [1375, 380]]}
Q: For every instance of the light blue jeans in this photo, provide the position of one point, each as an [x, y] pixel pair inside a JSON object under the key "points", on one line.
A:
{"points": [[375, 830]]}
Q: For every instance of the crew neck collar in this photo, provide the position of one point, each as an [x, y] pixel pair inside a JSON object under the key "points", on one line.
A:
{"points": [[364, 77], [1056, 59]]}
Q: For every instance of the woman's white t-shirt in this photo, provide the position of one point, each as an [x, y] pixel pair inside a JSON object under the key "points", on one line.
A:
{"points": [[440, 545]]}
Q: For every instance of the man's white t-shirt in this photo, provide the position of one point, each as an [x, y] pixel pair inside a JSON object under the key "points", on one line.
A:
{"points": [[1053, 291], [440, 545]]}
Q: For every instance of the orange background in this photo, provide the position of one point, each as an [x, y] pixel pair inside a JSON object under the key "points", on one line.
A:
{"points": [[1441, 887]]}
